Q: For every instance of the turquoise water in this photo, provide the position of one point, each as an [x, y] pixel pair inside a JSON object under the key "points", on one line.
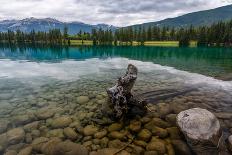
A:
{"points": [[35, 79], [216, 62]]}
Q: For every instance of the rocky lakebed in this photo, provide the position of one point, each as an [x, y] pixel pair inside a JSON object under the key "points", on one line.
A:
{"points": [[66, 119]]}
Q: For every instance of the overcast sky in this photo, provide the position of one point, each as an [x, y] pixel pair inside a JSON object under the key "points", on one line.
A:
{"points": [[115, 12]]}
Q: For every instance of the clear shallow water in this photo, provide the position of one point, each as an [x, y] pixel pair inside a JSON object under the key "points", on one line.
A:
{"points": [[32, 79]]}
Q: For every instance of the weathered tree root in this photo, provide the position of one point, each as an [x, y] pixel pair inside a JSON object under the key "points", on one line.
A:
{"points": [[121, 101]]}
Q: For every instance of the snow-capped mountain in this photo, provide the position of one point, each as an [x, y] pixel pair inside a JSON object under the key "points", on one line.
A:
{"points": [[46, 24]]}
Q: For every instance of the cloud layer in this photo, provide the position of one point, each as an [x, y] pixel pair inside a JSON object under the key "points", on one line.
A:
{"points": [[115, 12]]}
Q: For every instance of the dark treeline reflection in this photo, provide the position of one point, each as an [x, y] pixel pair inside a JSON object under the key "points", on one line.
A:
{"points": [[207, 61]]}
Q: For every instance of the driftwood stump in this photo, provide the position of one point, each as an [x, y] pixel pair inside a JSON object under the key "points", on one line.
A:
{"points": [[121, 101], [202, 131]]}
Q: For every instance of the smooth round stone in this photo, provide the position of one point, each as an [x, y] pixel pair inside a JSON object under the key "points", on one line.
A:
{"points": [[38, 143], [135, 126], [82, 99], [15, 136], [100, 134], [104, 142], [61, 122], [70, 133], [162, 133], [181, 147], [109, 151], [156, 146], [144, 135], [56, 133], [117, 135], [69, 148], [115, 127], [25, 151], [11, 152], [140, 143], [90, 130], [174, 133], [31, 126], [44, 113]]}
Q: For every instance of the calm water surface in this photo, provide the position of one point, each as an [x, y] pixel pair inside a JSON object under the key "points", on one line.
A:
{"points": [[34, 78]]}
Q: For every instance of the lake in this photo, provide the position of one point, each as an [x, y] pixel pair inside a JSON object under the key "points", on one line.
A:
{"points": [[42, 84]]}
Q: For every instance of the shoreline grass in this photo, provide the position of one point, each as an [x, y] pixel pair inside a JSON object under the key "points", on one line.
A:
{"points": [[134, 43]]}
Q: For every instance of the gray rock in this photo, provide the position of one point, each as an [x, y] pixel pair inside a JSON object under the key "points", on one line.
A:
{"points": [[15, 136], [201, 126]]}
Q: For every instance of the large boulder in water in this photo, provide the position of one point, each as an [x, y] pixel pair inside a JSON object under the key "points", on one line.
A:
{"points": [[202, 131]]}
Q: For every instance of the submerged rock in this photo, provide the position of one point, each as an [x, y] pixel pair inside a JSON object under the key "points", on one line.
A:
{"points": [[230, 143], [69, 148], [90, 130], [135, 126], [25, 151], [144, 135], [3, 125], [109, 151], [61, 122], [201, 128], [82, 99], [70, 133], [15, 136], [115, 127]]}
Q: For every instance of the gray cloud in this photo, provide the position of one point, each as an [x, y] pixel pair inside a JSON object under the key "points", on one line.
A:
{"points": [[115, 12]]}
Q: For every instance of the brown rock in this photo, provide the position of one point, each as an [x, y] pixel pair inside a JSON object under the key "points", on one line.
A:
{"points": [[140, 143], [174, 133], [157, 122], [144, 135], [109, 151], [116, 144], [156, 146], [117, 135], [135, 126], [115, 127], [70, 133], [26, 151], [150, 153], [48, 147], [162, 133], [44, 113], [90, 130], [61, 122], [181, 147], [100, 134], [69, 148], [38, 143], [16, 135]]}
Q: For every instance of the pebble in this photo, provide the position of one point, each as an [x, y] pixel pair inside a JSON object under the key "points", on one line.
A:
{"points": [[144, 135], [115, 127], [90, 130]]}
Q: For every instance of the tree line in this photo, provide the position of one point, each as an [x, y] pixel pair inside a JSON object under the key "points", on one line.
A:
{"points": [[216, 34], [53, 37]]}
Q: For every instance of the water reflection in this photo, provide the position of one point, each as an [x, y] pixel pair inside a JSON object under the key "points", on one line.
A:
{"points": [[216, 62]]}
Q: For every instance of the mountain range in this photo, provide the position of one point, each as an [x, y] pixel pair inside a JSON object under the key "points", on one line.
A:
{"points": [[45, 24], [206, 17], [200, 18]]}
